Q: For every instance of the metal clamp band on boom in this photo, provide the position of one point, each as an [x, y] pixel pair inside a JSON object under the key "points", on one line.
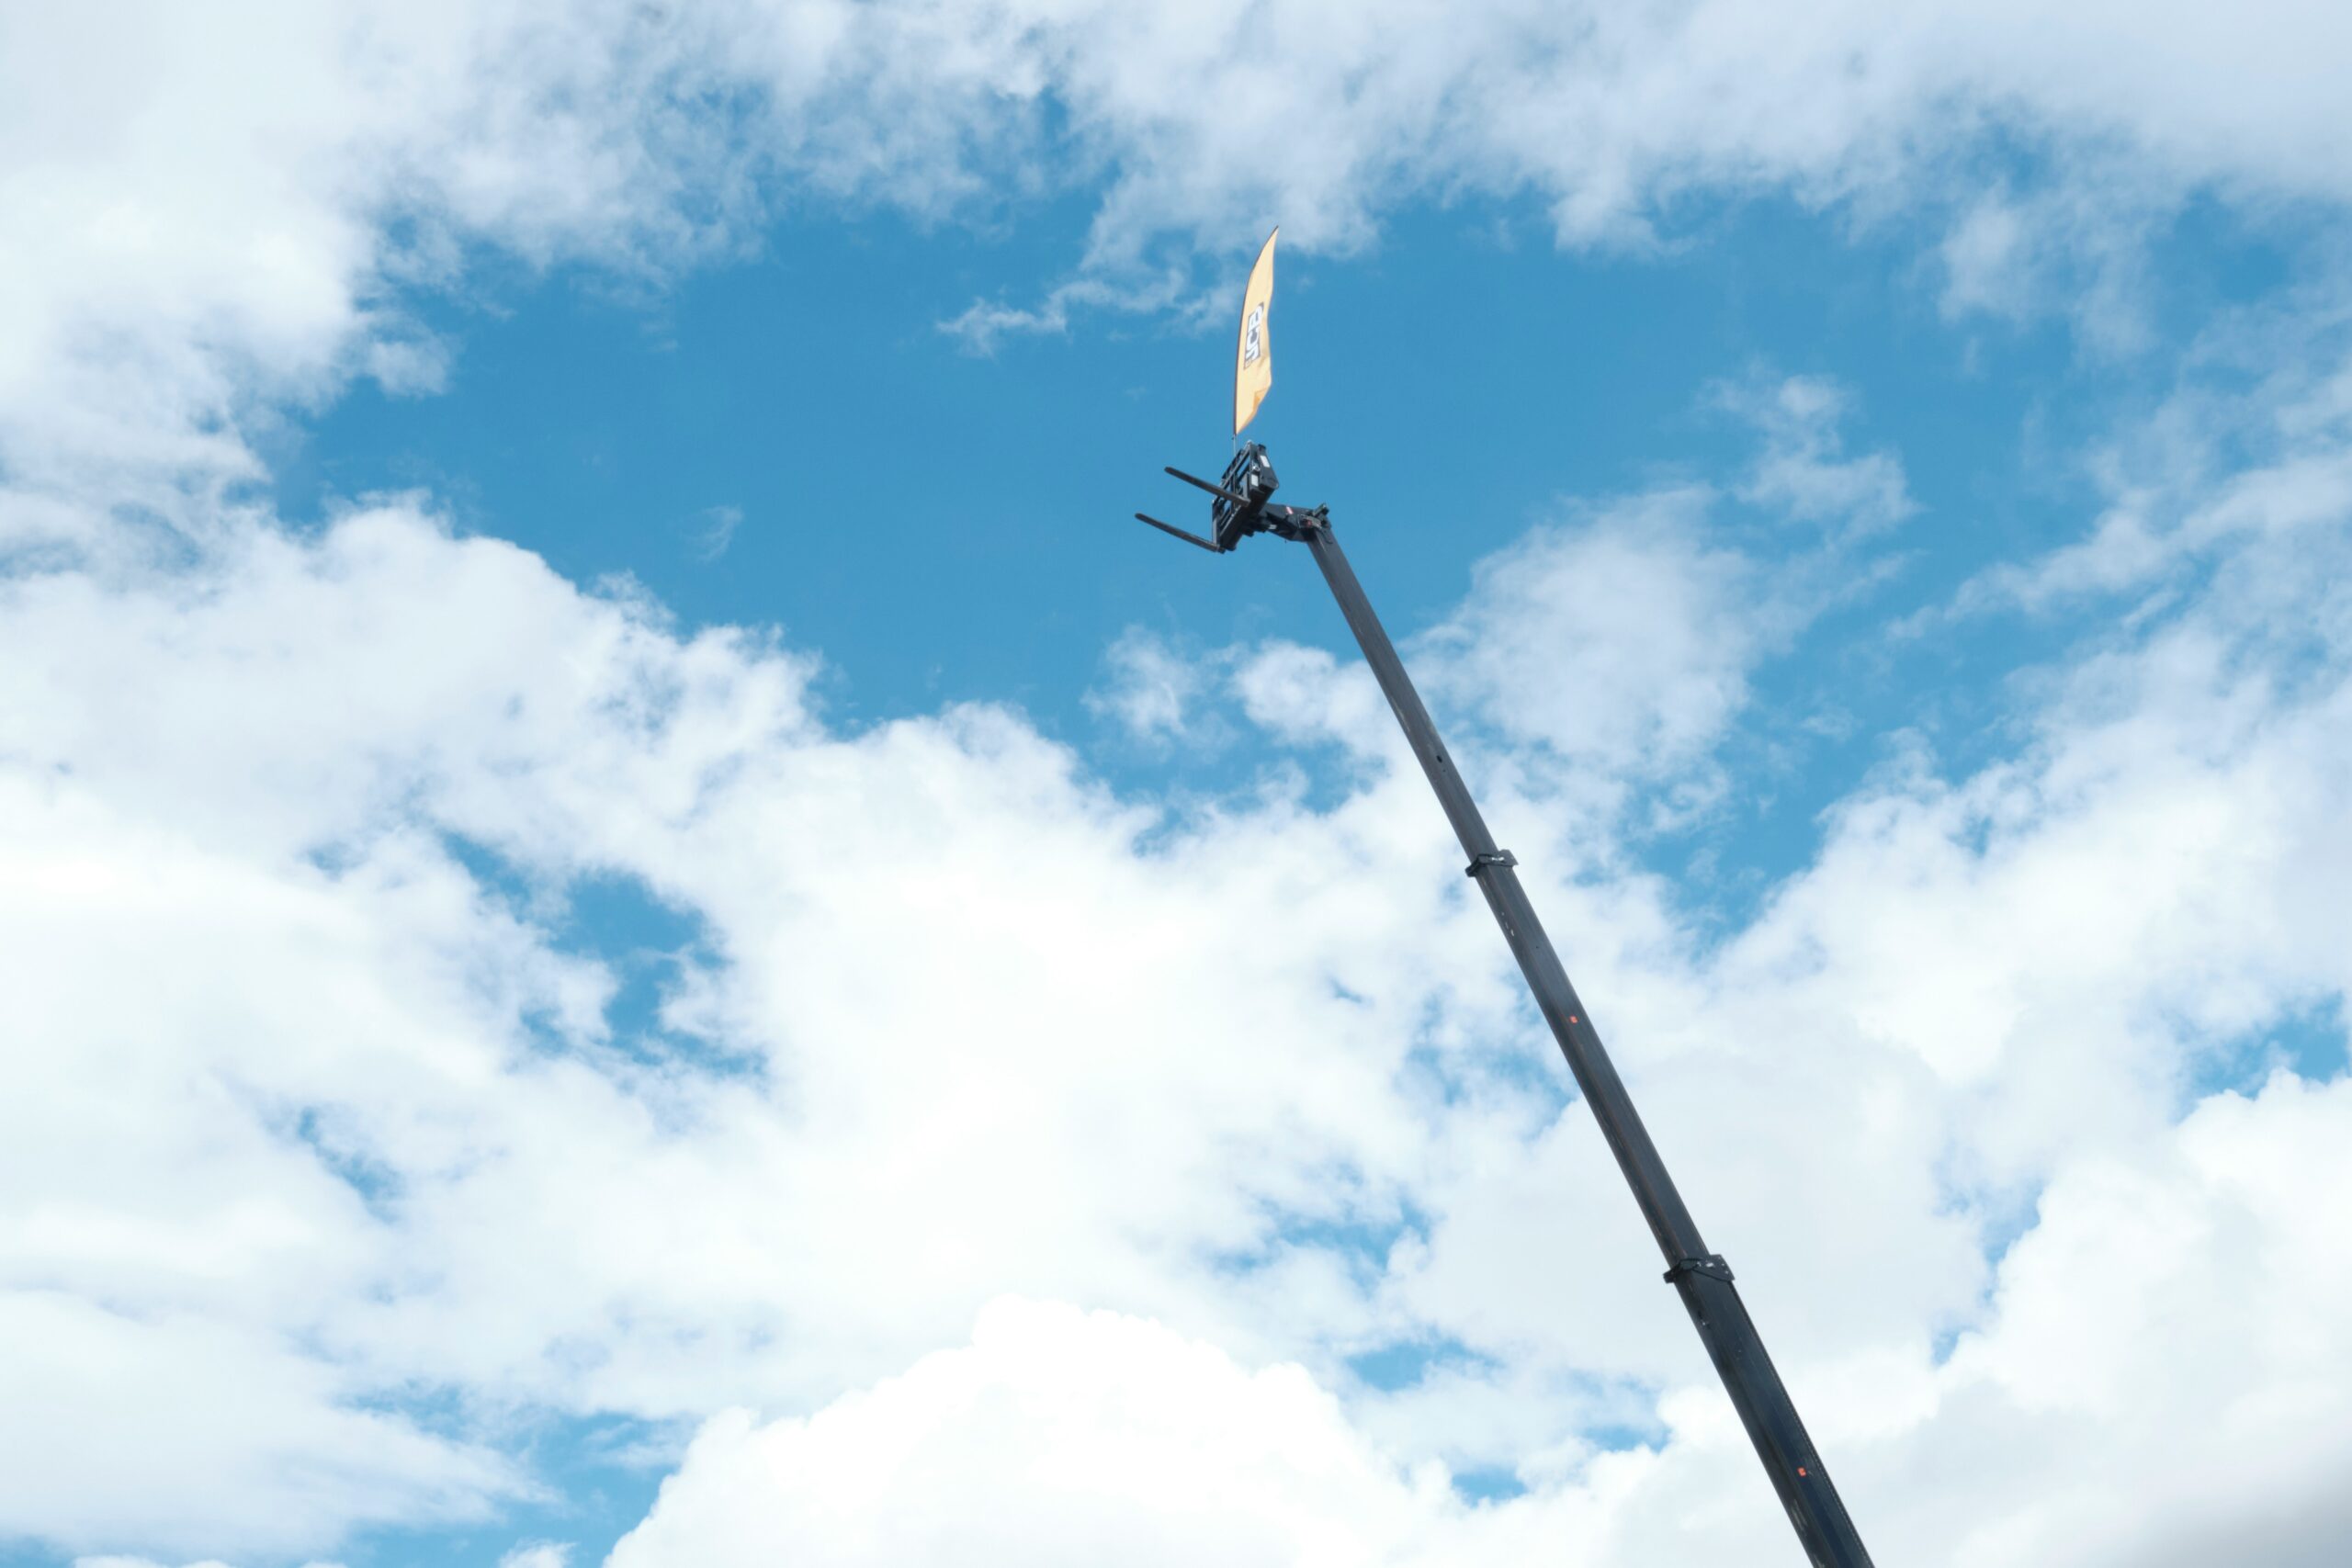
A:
{"points": [[1713, 1265], [1481, 862]]}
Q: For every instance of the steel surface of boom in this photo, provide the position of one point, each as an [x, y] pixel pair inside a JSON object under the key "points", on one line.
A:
{"points": [[1704, 1279], [1244, 506]]}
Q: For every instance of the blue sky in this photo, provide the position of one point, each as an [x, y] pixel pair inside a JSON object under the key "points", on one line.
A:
{"points": [[887, 495], [1464, 380], [583, 423], [645, 928]]}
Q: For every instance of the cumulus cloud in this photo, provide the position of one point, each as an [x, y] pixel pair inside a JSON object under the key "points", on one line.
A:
{"points": [[212, 217], [367, 1109], [1627, 640], [209, 217], [188, 1423], [289, 821], [1056, 1436], [2052, 1432], [358, 1070]]}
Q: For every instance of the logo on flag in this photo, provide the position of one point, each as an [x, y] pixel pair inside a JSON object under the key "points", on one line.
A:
{"points": [[1253, 360]]}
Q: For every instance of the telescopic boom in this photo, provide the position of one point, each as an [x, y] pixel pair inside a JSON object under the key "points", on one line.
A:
{"points": [[1703, 1277]]}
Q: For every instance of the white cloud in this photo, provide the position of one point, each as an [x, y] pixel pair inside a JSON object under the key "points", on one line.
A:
{"points": [[177, 1425], [538, 1554], [213, 217], [717, 531], [2076, 245], [2175, 1293], [319, 1117], [1152, 689], [367, 1118], [1803, 473], [2240, 479], [1623, 637], [984, 324], [1626, 641], [364, 1104], [2169, 1291], [1056, 1436]]}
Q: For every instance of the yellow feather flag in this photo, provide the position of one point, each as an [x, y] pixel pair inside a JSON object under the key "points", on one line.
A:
{"points": [[1253, 361]]}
